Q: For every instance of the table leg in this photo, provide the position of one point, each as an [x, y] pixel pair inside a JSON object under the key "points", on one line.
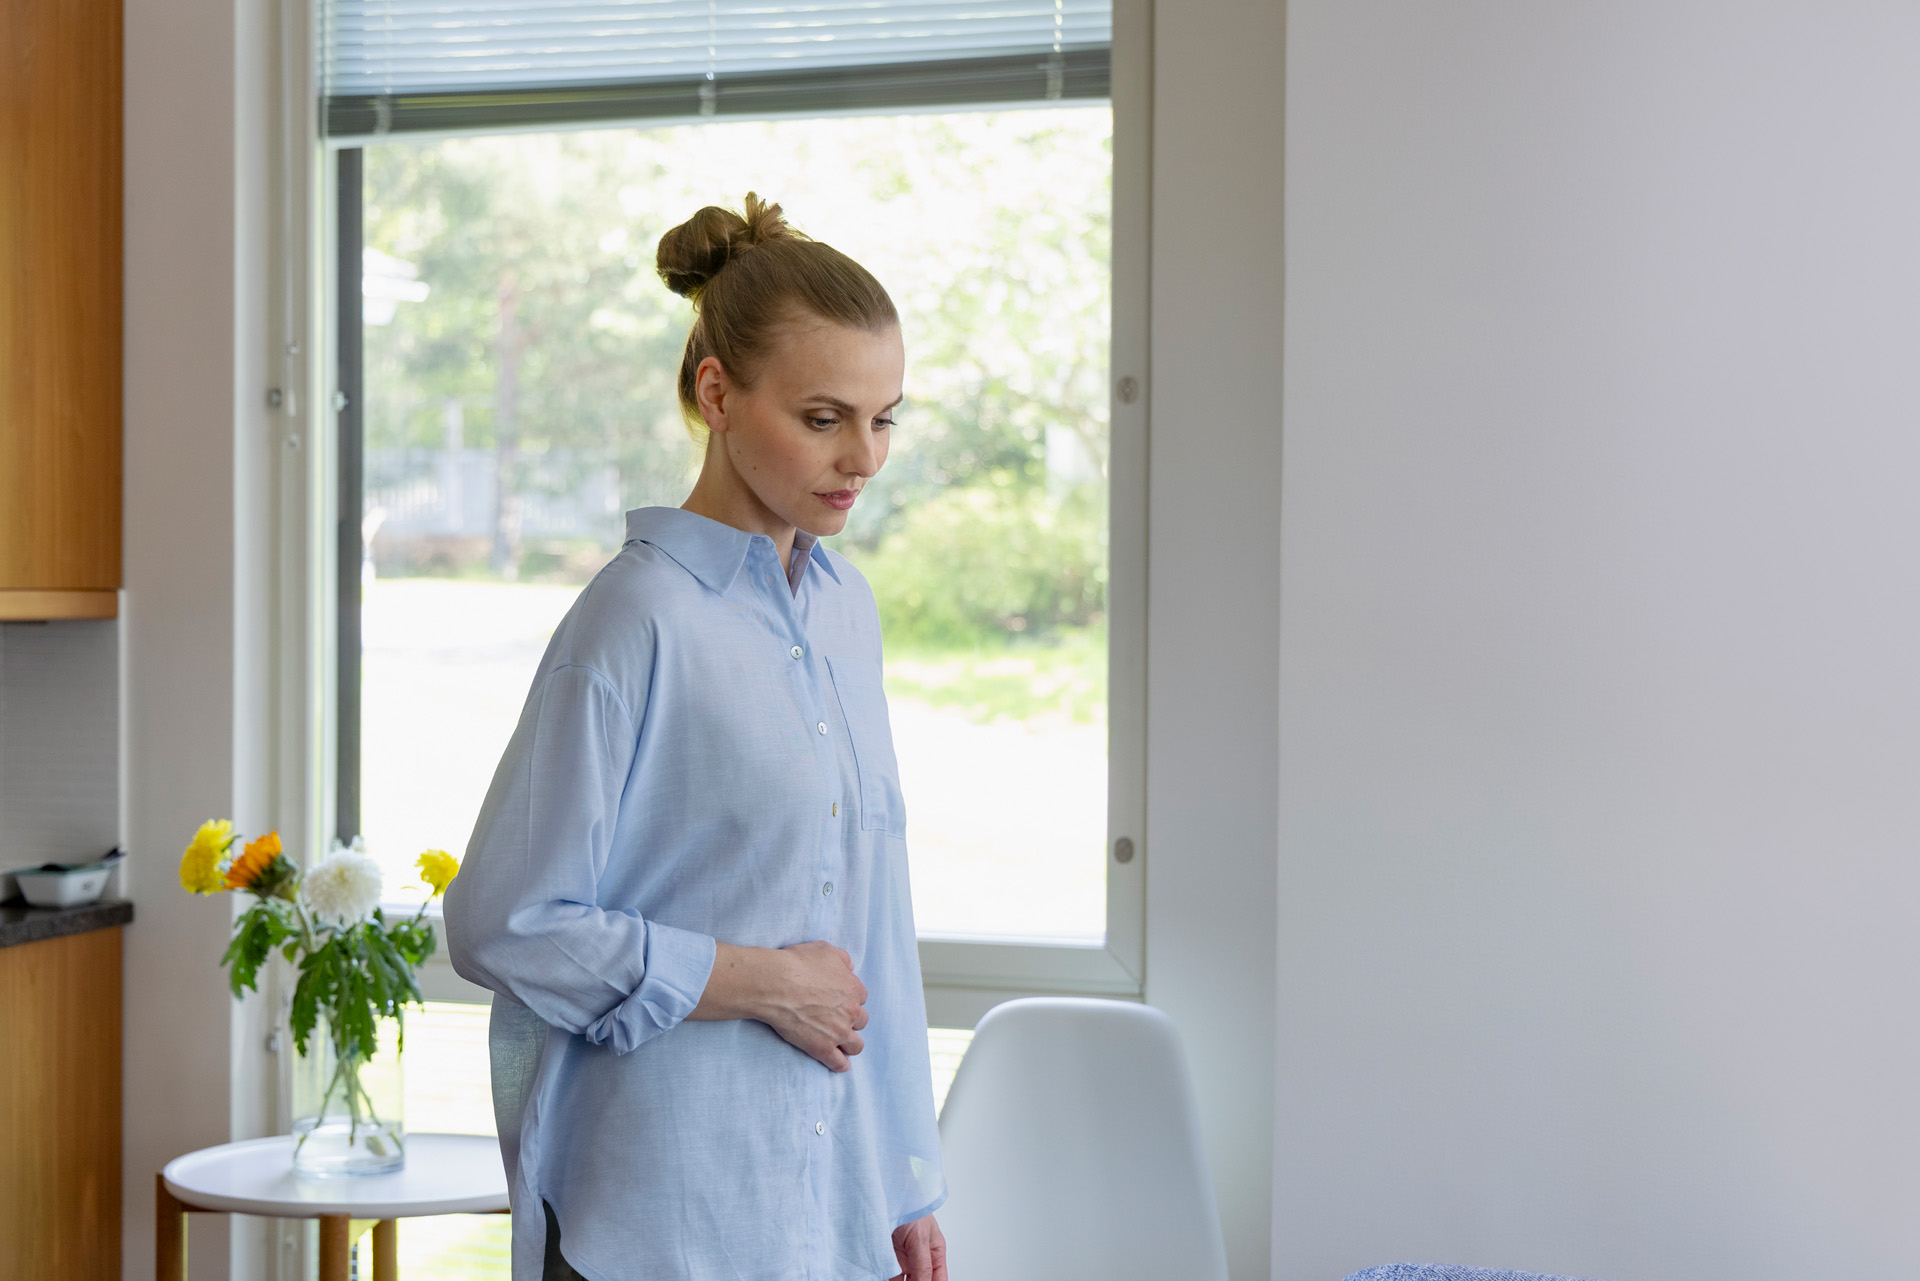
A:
{"points": [[386, 1251], [335, 1243], [169, 1234]]}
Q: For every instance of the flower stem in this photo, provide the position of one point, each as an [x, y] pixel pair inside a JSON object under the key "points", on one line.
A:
{"points": [[306, 929], [326, 1098]]}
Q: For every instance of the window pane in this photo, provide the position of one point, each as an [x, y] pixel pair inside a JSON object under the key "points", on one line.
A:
{"points": [[947, 1046], [520, 360], [446, 1043], [447, 1093]]}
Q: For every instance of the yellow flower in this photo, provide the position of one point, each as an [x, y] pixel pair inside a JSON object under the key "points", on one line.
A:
{"points": [[252, 864], [438, 868], [200, 865]]}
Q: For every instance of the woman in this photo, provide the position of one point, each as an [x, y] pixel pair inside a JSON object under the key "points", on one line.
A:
{"points": [[688, 883]]}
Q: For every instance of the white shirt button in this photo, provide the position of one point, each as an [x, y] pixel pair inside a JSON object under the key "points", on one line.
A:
{"points": [[819, 1127], [823, 727], [827, 888], [796, 651]]}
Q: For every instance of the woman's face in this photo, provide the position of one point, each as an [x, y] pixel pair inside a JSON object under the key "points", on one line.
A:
{"points": [[804, 440]]}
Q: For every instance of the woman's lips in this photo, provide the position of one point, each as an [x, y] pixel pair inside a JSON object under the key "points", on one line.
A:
{"points": [[839, 499]]}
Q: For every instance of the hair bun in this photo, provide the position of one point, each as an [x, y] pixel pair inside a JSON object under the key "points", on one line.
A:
{"points": [[694, 252]]}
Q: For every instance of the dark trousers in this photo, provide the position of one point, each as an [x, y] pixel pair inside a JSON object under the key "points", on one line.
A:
{"points": [[557, 1269]]}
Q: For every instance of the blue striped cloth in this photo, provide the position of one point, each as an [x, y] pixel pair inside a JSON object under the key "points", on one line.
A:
{"points": [[1448, 1272]]}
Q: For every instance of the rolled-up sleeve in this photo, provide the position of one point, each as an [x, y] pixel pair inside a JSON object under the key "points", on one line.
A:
{"points": [[523, 916]]}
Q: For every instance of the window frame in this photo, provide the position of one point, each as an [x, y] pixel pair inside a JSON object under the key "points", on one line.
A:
{"points": [[962, 978]]}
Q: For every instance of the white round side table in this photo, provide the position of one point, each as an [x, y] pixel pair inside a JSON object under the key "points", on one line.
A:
{"points": [[444, 1174]]}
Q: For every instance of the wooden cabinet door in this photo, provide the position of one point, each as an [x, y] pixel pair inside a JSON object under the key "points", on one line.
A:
{"points": [[60, 296], [60, 1108]]}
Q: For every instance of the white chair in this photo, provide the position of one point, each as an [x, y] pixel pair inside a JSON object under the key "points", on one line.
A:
{"points": [[1072, 1150]]}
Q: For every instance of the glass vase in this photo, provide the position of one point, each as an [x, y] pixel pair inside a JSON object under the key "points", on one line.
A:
{"points": [[347, 1105]]}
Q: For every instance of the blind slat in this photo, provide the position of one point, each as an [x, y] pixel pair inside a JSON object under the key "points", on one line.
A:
{"points": [[396, 48], [1074, 74]]}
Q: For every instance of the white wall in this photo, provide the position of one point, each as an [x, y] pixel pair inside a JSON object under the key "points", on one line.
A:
{"points": [[1600, 644], [59, 742], [190, 620], [1213, 596]]}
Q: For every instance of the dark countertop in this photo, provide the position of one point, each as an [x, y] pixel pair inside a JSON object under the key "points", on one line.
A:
{"points": [[20, 923]]}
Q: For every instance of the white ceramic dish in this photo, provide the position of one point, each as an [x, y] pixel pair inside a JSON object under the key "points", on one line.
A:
{"points": [[69, 887]]}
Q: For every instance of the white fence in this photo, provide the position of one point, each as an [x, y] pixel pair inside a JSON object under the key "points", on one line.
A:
{"points": [[451, 493]]}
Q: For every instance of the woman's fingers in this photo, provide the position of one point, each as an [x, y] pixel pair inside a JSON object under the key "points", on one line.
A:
{"points": [[913, 1249], [860, 1019], [833, 1047], [937, 1249]]}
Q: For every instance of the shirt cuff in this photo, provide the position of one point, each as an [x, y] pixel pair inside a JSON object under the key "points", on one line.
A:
{"points": [[678, 963]]}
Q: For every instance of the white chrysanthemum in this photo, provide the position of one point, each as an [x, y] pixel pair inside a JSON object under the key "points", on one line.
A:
{"points": [[342, 889]]}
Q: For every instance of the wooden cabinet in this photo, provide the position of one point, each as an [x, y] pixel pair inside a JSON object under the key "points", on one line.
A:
{"points": [[60, 307], [60, 1108]]}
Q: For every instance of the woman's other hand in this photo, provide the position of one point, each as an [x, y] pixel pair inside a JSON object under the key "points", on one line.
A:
{"points": [[808, 993], [921, 1250]]}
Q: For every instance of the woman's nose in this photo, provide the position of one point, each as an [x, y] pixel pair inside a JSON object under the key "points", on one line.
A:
{"points": [[862, 456]]}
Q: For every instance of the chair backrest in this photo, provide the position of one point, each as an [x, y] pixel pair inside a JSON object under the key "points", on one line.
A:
{"points": [[1072, 1149]]}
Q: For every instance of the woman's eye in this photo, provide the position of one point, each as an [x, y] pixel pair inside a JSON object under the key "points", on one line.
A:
{"points": [[819, 424], [881, 424]]}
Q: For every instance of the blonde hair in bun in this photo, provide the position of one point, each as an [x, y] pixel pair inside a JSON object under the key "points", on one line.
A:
{"points": [[747, 274]]}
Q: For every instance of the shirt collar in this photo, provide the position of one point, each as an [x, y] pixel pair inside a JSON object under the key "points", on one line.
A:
{"points": [[710, 551]]}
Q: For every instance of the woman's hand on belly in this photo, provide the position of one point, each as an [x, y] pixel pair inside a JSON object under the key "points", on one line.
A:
{"points": [[808, 993]]}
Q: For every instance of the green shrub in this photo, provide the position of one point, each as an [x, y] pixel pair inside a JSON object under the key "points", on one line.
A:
{"points": [[987, 562]]}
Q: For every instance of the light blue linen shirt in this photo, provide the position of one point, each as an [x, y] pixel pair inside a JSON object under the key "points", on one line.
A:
{"points": [[704, 755]]}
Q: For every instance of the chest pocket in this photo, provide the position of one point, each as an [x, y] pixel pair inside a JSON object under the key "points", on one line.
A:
{"points": [[865, 707]]}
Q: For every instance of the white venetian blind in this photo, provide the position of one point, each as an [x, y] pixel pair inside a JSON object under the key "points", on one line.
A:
{"points": [[396, 65]]}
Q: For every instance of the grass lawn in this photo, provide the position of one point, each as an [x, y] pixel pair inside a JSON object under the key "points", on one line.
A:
{"points": [[1065, 676]]}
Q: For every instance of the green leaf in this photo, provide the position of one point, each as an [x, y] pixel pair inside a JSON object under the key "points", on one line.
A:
{"points": [[356, 977], [306, 1002], [259, 928]]}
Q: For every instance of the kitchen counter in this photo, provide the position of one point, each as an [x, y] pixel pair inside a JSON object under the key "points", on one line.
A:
{"points": [[20, 923]]}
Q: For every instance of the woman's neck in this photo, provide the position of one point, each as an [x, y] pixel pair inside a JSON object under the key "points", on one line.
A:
{"points": [[721, 495]]}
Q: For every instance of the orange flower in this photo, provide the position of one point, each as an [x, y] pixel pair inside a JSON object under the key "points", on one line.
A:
{"points": [[249, 867]]}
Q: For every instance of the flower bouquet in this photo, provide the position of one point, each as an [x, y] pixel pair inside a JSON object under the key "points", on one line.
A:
{"points": [[355, 969]]}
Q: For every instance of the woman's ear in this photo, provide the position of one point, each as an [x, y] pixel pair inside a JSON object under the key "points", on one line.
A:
{"points": [[713, 392]]}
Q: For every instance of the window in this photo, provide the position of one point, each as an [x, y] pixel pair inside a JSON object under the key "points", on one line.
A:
{"points": [[507, 378], [1018, 696]]}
